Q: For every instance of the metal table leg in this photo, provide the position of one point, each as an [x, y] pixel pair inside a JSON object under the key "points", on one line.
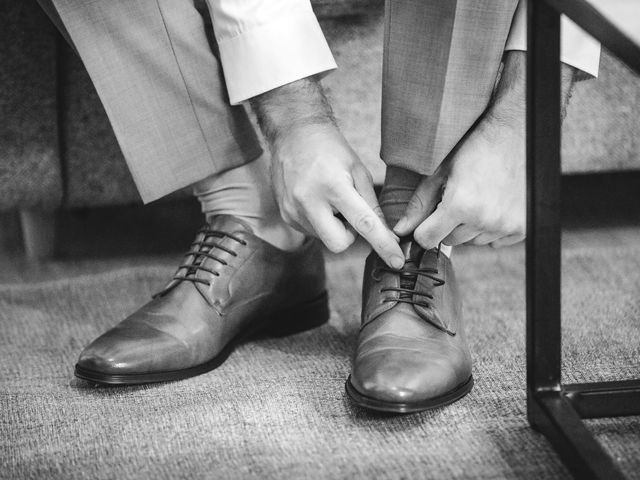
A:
{"points": [[554, 409]]}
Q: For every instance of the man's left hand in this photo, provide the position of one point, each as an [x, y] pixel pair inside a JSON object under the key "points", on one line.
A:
{"points": [[481, 188]]}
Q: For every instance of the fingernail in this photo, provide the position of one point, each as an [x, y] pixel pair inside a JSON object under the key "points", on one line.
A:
{"points": [[397, 262]]}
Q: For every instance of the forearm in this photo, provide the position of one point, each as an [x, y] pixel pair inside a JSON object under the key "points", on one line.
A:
{"points": [[292, 107], [508, 104]]}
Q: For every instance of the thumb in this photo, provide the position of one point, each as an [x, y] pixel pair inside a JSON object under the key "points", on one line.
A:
{"points": [[424, 201]]}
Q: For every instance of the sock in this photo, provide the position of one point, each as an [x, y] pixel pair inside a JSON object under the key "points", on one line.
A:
{"points": [[397, 190], [246, 192]]}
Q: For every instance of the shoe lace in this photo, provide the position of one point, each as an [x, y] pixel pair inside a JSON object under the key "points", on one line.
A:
{"points": [[203, 249], [408, 292]]}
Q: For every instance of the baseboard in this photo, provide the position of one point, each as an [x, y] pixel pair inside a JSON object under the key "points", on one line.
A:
{"points": [[588, 200]]}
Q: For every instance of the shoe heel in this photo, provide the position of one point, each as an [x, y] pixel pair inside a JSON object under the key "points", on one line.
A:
{"points": [[304, 316]]}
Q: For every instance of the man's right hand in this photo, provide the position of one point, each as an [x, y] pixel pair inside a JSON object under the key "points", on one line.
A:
{"points": [[315, 175]]}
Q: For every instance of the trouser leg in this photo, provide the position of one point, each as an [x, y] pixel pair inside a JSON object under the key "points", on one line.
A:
{"points": [[441, 60], [162, 88]]}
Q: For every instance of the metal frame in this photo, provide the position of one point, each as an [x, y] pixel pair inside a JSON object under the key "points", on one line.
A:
{"points": [[554, 409]]}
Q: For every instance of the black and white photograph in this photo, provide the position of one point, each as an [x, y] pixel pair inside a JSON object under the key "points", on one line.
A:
{"points": [[319, 239]]}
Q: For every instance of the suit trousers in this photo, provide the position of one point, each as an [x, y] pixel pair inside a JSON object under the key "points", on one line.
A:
{"points": [[155, 68], [441, 62]]}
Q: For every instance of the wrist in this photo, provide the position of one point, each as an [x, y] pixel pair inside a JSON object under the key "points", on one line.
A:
{"points": [[306, 143], [291, 110], [507, 113], [508, 104], [303, 130]]}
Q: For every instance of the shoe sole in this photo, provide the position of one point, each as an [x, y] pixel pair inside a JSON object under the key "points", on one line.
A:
{"points": [[302, 317], [414, 407]]}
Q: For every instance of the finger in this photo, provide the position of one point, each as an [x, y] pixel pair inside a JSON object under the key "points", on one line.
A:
{"points": [[486, 238], [461, 234], [422, 204], [370, 226], [508, 240], [330, 230], [303, 227], [364, 185], [346, 224], [300, 223], [435, 228]]}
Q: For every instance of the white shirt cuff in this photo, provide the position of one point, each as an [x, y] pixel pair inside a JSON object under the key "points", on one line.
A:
{"points": [[577, 48], [274, 54]]}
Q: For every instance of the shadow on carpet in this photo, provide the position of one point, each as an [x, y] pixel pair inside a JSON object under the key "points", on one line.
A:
{"points": [[277, 408]]}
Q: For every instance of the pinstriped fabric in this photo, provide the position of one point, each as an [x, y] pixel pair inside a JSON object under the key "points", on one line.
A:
{"points": [[441, 60], [162, 88]]}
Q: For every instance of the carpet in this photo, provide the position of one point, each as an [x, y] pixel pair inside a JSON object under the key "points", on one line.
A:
{"points": [[277, 408]]}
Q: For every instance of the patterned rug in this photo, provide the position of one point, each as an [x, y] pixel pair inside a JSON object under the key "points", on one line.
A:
{"points": [[277, 408]]}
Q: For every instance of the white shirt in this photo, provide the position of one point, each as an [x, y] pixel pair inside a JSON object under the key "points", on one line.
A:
{"points": [[577, 48], [265, 44]]}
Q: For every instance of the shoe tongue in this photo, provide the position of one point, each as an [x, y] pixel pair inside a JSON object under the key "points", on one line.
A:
{"points": [[413, 253], [228, 224]]}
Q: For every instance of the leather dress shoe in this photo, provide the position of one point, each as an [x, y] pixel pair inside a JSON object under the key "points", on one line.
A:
{"points": [[232, 285], [412, 354]]}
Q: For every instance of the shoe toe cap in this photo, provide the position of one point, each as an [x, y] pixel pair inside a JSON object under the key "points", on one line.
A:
{"points": [[118, 353], [384, 389], [107, 356], [89, 360], [406, 376], [401, 385]]}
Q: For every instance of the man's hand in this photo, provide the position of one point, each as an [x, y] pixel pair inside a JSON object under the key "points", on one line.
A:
{"points": [[478, 194], [483, 201], [316, 174]]}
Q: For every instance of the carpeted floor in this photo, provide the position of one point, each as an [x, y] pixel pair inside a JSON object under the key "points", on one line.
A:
{"points": [[277, 409]]}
